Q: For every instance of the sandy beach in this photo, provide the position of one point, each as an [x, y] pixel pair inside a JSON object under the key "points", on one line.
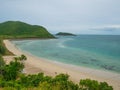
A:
{"points": [[35, 65]]}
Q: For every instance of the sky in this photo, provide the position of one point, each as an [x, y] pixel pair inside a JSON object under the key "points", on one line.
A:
{"points": [[75, 16]]}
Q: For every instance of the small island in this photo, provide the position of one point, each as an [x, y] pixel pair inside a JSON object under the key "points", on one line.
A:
{"points": [[65, 34]]}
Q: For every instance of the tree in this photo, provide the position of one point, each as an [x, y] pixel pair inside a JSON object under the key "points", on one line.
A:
{"points": [[105, 86], [12, 70], [62, 77], [22, 58], [2, 49]]}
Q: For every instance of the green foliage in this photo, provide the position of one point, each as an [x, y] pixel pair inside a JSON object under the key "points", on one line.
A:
{"points": [[21, 59], [62, 77], [12, 70], [105, 86], [88, 84], [3, 50], [12, 78], [17, 29], [31, 80], [2, 62]]}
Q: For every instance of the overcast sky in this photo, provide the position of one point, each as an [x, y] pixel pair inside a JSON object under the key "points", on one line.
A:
{"points": [[77, 16]]}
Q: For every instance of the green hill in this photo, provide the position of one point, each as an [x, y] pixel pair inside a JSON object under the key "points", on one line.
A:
{"points": [[17, 29]]}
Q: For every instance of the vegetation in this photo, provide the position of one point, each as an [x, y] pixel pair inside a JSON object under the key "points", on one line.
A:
{"points": [[3, 49], [2, 63], [12, 78], [17, 29], [65, 34], [88, 84]]}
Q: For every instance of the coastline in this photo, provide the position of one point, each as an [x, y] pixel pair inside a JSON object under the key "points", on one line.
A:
{"points": [[36, 65]]}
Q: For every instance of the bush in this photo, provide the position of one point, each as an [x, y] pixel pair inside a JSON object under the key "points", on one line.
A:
{"points": [[2, 62], [2, 50], [88, 84]]}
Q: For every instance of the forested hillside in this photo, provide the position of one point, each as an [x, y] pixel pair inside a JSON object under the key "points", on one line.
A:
{"points": [[17, 29]]}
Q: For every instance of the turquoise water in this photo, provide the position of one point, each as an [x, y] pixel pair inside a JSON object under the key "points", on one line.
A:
{"points": [[94, 51]]}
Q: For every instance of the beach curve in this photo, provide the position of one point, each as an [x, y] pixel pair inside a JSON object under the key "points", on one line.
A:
{"points": [[36, 65]]}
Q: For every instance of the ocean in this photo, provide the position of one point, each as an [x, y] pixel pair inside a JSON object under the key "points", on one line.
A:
{"points": [[92, 51]]}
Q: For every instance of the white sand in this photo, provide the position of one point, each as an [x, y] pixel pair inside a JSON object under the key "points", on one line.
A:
{"points": [[35, 65]]}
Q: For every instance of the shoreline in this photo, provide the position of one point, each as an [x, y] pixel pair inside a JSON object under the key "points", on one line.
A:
{"points": [[35, 64]]}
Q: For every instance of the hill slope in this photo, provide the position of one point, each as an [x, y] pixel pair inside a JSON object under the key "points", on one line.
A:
{"points": [[17, 29]]}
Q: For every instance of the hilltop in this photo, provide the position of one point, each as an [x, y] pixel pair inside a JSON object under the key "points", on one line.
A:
{"points": [[18, 29]]}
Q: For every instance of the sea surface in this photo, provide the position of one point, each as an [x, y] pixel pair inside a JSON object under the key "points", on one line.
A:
{"points": [[93, 51]]}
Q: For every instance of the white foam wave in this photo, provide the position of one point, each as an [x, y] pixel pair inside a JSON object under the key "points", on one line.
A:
{"points": [[61, 43]]}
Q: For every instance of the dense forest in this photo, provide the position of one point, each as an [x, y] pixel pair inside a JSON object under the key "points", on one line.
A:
{"points": [[17, 29]]}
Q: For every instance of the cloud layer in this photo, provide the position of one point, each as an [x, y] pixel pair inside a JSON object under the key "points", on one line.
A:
{"points": [[77, 16]]}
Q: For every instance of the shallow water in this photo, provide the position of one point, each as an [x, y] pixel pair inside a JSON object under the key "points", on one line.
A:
{"points": [[94, 51]]}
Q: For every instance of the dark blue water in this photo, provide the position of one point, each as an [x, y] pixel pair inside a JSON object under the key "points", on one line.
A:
{"points": [[94, 51]]}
